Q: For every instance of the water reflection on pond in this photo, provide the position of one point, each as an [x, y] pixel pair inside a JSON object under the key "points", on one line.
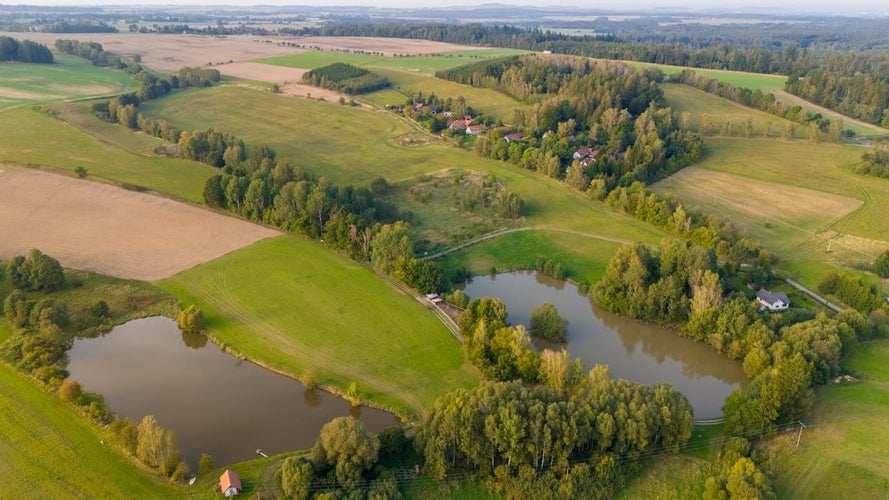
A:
{"points": [[214, 402], [634, 350]]}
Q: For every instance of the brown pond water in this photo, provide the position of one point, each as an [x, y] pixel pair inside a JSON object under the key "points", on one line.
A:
{"points": [[213, 401], [634, 350]]}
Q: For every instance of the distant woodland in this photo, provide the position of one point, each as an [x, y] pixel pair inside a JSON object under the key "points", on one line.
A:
{"points": [[12, 50]]}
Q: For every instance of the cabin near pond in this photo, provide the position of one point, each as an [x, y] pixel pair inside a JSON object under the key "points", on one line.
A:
{"points": [[230, 483]]}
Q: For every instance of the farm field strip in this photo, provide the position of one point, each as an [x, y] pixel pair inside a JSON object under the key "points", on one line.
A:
{"points": [[798, 213], [829, 235], [329, 315], [99, 227], [69, 78], [34, 138]]}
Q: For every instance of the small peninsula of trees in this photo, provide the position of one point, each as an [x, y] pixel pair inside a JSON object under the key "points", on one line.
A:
{"points": [[26, 51], [345, 78]]}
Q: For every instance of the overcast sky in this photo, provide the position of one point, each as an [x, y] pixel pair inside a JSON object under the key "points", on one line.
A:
{"points": [[878, 7]]}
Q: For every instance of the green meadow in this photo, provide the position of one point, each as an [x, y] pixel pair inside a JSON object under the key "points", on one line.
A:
{"points": [[298, 308], [798, 198], [726, 117], [583, 257], [34, 138], [49, 450], [416, 75], [69, 78], [842, 451], [752, 81], [357, 145]]}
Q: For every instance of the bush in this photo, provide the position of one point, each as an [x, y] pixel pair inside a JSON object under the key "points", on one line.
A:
{"points": [[547, 324], [191, 320]]}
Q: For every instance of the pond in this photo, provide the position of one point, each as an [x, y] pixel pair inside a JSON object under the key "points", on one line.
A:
{"points": [[634, 350], [213, 401]]}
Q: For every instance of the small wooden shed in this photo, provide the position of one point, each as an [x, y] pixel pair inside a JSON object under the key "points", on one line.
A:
{"points": [[230, 483]]}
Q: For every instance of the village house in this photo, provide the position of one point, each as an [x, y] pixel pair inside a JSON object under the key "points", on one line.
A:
{"points": [[582, 153], [230, 483], [517, 136], [475, 129], [777, 301]]}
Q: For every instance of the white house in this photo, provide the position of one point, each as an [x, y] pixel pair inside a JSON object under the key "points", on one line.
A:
{"points": [[777, 301]]}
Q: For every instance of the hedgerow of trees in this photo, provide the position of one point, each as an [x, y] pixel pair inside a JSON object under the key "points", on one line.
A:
{"points": [[26, 51]]}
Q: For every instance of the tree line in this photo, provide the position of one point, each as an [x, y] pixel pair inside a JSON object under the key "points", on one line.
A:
{"points": [[763, 101], [346, 78], [26, 51], [757, 59], [44, 328]]}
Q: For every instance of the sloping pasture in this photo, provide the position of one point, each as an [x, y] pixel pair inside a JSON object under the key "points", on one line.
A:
{"points": [[798, 198], [50, 451], [298, 308], [69, 78]]}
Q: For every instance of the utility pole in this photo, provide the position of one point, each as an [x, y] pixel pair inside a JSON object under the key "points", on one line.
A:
{"points": [[800, 435]]}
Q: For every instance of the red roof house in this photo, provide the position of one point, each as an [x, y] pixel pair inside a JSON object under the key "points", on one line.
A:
{"points": [[230, 483]]}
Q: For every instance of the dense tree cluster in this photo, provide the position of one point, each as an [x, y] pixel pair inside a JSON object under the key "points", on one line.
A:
{"points": [[881, 265], [875, 163], [735, 474], [660, 285], [590, 121], [346, 78], [547, 324], [863, 96], [38, 272], [343, 462], [12, 50], [708, 231], [596, 427], [854, 292], [500, 351]]}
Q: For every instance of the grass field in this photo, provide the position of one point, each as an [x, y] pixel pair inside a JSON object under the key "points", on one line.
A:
{"points": [[843, 451], [49, 450], [416, 74], [794, 197], [69, 78], [31, 137], [727, 118], [356, 145], [583, 258], [752, 81], [683, 98], [297, 307]]}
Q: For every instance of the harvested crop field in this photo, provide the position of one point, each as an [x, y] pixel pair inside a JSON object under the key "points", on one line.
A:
{"points": [[168, 53], [287, 78], [103, 228]]}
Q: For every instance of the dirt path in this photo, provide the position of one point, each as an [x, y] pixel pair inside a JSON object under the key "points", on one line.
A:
{"points": [[102, 228], [815, 296]]}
